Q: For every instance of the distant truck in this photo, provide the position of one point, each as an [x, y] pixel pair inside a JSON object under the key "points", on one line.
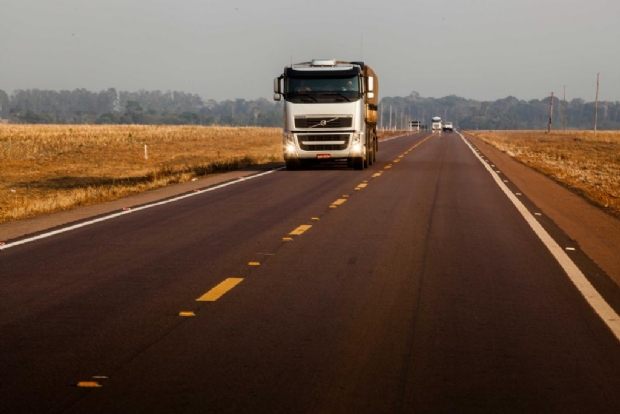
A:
{"points": [[330, 113], [447, 126], [436, 125]]}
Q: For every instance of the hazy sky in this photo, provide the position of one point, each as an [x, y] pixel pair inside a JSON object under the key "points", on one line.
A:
{"points": [[227, 49]]}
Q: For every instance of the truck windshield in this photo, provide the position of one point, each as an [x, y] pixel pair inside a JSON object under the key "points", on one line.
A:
{"points": [[321, 89]]}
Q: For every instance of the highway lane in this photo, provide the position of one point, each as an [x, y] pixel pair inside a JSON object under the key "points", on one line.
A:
{"points": [[422, 291]]}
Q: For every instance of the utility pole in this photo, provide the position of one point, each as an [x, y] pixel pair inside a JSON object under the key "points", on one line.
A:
{"points": [[598, 77], [550, 114], [390, 128]]}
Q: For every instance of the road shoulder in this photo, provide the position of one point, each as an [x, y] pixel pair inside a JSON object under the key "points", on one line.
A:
{"points": [[20, 228], [596, 232]]}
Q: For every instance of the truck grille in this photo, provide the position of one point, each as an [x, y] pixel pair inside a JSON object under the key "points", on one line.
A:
{"points": [[323, 142], [324, 122]]}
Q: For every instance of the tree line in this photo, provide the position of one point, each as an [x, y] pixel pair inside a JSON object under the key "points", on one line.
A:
{"points": [[81, 106], [507, 113]]}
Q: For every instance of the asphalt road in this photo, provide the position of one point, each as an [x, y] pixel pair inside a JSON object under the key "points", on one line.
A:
{"points": [[413, 286]]}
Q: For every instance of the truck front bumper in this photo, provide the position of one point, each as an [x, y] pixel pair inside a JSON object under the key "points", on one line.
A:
{"points": [[334, 145]]}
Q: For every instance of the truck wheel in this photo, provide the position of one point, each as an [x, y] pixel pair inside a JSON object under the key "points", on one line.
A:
{"points": [[358, 163], [291, 165], [374, 153]]}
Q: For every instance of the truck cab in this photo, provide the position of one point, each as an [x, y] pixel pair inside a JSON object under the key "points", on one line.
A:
{"points": [[436, 125]]}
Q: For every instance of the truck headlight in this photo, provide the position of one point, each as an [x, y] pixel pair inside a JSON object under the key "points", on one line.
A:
{"points": [[290, 148], [357, 138], [288, 138]]}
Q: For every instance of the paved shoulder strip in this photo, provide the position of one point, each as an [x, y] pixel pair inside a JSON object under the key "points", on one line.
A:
{"points": [[130, 211], [596, 301]]}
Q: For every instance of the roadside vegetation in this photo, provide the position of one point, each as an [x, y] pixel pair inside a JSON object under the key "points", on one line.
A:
{"points": [[586, 164], [48, 168]]}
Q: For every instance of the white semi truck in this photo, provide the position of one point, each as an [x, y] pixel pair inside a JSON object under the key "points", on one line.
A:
{"points": [[436, 125], [330, 113]]}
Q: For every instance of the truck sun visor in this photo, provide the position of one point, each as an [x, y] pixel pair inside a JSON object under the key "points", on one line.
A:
{"points": [[297, 73]]}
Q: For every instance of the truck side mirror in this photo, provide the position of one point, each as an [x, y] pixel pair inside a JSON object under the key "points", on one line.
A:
{"points": [[277, 92], [276, 86]]}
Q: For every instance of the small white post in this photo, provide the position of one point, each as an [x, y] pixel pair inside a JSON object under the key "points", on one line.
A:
{"points": [[146, 152]]}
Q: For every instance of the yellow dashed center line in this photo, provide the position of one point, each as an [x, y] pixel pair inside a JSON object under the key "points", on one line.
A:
{"points": [[218, 291], [88, 384], [339, 202], [300, 230]]}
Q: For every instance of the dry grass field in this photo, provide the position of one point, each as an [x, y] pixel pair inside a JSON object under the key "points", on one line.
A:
{"points": [[47, 168], [586, 164]]}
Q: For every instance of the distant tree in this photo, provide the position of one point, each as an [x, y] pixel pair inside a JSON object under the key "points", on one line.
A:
{"points": [[108, 118], [190, 118], [5, 105], [133, 107], [31, 117]]}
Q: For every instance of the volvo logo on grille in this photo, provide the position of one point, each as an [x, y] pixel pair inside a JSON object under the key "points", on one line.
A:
{"points": [[323, 122]]}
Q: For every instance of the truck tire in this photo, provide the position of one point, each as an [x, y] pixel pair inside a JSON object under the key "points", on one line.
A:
{"points": [[371, 152], [374, 153], [358, 163], [291, 165]]}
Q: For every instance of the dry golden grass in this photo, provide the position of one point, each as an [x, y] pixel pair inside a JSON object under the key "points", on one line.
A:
{"points": [[46, 168], [588, 165]]}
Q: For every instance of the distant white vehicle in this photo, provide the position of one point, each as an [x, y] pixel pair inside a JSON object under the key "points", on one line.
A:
{"points": [[436, 125], [447, 126]]}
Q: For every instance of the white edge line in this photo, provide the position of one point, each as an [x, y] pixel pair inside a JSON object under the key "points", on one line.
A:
{"points": [[133, 210], [396, 137], [596, 301]]}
